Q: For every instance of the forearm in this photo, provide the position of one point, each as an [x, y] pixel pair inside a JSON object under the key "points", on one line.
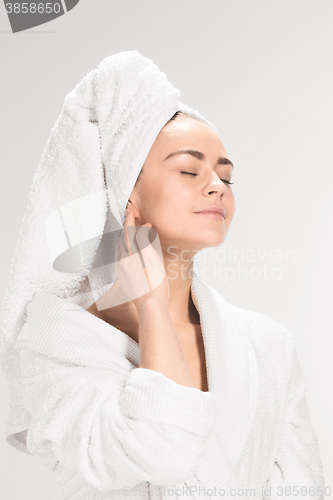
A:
{"points": [[160, 347]]}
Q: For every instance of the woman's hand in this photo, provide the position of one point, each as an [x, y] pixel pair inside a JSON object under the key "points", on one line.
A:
{"points": [[139, 264]]}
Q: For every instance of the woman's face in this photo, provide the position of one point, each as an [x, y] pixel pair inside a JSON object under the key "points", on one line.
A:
{"points": [[168, 198]]}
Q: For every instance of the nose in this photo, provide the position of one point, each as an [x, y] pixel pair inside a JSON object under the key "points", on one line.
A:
{"points": [[217, 186]]}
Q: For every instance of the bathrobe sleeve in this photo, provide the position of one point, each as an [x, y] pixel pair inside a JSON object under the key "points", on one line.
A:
{"points": [[297, 471], [114, 428]]}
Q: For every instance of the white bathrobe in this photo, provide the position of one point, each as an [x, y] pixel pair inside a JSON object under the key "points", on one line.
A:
{"points": [[110, 430]]}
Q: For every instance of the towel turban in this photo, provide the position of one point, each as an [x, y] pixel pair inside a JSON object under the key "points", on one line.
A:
{"points": [[78, 198]]}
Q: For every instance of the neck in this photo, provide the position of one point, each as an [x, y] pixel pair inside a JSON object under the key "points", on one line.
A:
{"points": [[181, 306]]}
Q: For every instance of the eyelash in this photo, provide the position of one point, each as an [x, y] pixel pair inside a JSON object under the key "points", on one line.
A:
{"points": [[194, 175]]}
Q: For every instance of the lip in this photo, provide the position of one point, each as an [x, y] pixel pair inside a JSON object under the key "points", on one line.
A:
{"points": [[214, 211], [211, 215]]}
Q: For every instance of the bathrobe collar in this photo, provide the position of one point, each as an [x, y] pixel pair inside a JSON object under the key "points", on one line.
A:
{"points": [[232, 367]]}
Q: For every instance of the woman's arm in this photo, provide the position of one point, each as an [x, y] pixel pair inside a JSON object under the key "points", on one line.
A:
{"points": [[160, 348]]}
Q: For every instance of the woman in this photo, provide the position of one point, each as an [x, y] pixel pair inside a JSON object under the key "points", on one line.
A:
{"points": [[156, 385]]}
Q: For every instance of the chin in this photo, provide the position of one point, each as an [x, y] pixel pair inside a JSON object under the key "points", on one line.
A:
{"points": [[215, 236], [208, 241]]}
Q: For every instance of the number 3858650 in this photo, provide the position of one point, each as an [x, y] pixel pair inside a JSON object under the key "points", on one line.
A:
{"points": [[33, 8]]}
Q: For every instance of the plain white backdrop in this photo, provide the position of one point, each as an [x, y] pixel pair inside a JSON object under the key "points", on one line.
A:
{"points": [[262, 72]]}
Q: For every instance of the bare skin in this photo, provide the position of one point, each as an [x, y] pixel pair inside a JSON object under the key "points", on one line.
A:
{"points": [[166, 325]]}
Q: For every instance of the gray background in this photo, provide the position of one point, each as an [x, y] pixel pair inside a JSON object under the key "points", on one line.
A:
{"points": [[261, 71]]}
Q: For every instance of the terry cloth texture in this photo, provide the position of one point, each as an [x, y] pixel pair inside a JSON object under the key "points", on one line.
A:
{"points": [[110, 429]]}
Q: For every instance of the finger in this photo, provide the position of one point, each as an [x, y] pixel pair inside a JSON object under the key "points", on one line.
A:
{"points": [[122, 250], [142, 239], [129, 221], [130, 230], [127, 244], [152, 256], [142, 236], [159, 275]]}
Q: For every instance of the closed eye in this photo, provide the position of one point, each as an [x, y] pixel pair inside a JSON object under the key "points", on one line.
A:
{"points": [[190, 173]]}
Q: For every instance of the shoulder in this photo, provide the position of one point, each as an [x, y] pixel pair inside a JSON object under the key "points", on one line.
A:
{"points": [[262, 325], [261, 329], [269, 336]]}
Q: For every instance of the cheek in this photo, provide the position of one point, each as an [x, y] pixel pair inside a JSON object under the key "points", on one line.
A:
{"points": [[177, 204], [168, 209], [165, 197], [165, 202]]}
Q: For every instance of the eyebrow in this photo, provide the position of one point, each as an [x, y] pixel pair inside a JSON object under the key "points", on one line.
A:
{"points": [[221, 160]]}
